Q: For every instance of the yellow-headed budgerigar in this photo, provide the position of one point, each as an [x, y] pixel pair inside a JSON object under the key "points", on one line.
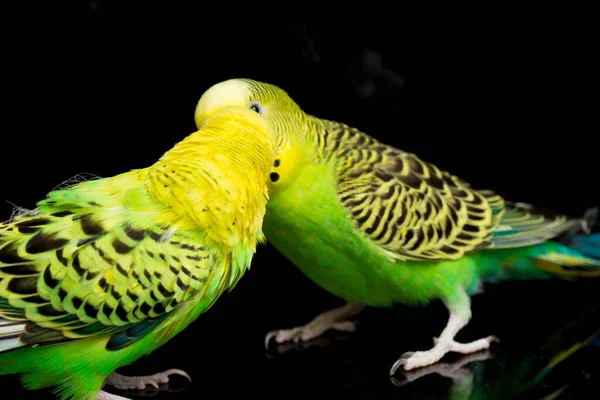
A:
{"points": [[376, 226], [106, 271]]}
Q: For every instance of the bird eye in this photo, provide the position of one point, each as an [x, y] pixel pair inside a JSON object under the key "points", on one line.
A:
{"points": [[257, 108]]}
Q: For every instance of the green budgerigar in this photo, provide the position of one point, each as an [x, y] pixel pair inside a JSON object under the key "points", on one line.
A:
{"points": [[106, 271], [376, 225]]}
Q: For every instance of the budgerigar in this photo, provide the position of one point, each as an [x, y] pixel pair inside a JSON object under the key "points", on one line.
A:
{"points": [[108, 270], [376, 226]]}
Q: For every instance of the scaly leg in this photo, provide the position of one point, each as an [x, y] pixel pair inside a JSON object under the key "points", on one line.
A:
{"points": [[337, 319], [140, 382], [460, 315], [102, 395]]}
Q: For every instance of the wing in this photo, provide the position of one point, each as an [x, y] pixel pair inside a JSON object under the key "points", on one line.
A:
{"points": [[415, 211], [525, 225], [82, 270], [409, 207]]}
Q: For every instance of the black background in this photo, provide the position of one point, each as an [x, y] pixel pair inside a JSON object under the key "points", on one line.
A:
{"points": [[506, 102]]}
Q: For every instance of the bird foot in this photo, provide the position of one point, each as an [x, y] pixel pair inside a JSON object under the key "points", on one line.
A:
{"points": [[123, 382], [412, 360], [336, 319], [456, 370], [308, 331]]}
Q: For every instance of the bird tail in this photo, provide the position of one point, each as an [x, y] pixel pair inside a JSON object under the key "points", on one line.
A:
{"points": [[535, 244], [580, 258]]}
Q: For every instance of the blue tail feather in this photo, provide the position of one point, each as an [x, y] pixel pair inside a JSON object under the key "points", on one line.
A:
{"points": [[588, 245]]}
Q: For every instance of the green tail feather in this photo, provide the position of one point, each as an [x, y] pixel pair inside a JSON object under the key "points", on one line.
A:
{"points": [[541, 261], [533, 243]]}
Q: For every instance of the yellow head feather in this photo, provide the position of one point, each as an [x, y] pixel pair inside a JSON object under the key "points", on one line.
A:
{"points": [[284, 117], [215, 179]]}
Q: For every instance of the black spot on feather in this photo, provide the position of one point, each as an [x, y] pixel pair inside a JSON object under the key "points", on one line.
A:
{"points": [[164, 291], [103, 284], [28, 229], [36, 299], [135, 234], [90, 226], [471, 228], [77, 265], [115, 293], [121, 247], [37, 222], [410, 180], [48, 279], [61, 214], [134, 297], [384, 176], [49, 311], [181, 285], [121, 270], [449, 250], [9, 254], [159, 308], [107, 310], [145, 308], [23, 286], [91, 275], [20, 270], [77, 302], [122, 313], [158, 237], [83, 242], [43, 242]]}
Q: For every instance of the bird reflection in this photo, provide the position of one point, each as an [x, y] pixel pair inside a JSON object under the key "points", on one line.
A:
{"points": [[325, 341], [512, 371]]}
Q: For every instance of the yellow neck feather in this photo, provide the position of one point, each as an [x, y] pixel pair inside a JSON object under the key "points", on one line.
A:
{"points": [[215, 179]]}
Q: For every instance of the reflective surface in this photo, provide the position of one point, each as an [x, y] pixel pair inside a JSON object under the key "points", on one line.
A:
{"points": [[549, 333]]}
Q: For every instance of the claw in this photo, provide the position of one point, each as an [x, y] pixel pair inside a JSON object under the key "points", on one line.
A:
{"points": [[174, 371], [400, 362], [268, 338]]}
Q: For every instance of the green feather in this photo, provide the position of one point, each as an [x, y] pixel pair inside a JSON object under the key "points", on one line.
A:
{"points": [[106, 271]]}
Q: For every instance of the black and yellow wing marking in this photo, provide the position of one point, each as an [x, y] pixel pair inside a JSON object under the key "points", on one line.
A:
{"points": [[409, 207], [83, 270], [416, 211]]}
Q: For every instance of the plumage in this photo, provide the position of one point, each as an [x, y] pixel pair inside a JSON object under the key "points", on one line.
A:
{"points": [[376, 225], [117, 266]]}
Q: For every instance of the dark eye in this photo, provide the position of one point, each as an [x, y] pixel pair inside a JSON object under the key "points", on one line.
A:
{"points": [[257, 108]]}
